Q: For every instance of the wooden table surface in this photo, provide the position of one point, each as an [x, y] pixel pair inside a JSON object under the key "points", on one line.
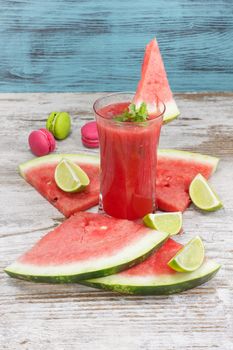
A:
{"points": [[89, 45], [42, 316]]}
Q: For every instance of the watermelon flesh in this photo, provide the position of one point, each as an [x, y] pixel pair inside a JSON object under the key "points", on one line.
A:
{"points": [[154, 276], [175, 171], [40, 174], [157, 262], [42, 178], [154, 83], [84, 246]]}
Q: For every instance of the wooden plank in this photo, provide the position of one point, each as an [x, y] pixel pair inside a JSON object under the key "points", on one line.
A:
{"points": [[61, 45], [36, 316]]}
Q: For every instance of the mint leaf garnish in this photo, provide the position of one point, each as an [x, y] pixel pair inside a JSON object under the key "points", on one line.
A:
{"points": [[132, 108], [143, 110], [134, 114]]}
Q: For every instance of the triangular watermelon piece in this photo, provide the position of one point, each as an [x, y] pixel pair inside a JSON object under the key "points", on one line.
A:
{"points": [[39, 172], [154, 83], [175, 171], [84, 246], [154, 276]]}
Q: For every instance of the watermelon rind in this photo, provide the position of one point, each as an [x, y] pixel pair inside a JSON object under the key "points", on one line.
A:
{"points": [[174, 155], [172, 112], [189, 156], [132, 254], [94, 159], [55, 158], [163, 284]]}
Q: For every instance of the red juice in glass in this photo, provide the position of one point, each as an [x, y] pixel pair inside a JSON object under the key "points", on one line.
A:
{"points": [[128, 158]]}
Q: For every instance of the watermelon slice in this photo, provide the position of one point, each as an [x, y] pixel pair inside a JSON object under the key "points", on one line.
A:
{"points": [[175, 171], [84, 246], [154, 83], [154, 276], [39, 172]]}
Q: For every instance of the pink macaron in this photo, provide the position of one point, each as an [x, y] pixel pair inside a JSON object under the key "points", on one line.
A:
{"points": [[90, 137], [41, 142]]}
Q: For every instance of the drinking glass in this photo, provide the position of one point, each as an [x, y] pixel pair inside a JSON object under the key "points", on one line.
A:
{"points": [[128, 158]]}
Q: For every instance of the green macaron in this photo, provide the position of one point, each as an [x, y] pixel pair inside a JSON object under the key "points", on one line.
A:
{"points": [[59, 124]]}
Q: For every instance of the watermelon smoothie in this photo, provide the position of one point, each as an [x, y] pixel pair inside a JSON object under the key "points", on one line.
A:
{"points": [[128, 153]]}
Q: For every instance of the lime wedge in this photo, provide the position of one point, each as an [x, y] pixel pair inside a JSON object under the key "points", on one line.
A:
{"points": [[202, 195], [165, 222], [190, 257], [70, 177]]}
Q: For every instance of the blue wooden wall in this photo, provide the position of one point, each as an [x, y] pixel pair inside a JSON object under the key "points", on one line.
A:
{"points": [[97, 45]]}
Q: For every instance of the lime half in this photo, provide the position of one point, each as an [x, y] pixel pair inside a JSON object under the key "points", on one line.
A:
{"points": [[202, 195], [190, 257], [165, 222], [70, 177]]}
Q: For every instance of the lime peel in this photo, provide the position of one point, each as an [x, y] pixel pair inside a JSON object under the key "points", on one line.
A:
{"points": [[69, 177], [166, 222], [190, 257], [203, 195]]}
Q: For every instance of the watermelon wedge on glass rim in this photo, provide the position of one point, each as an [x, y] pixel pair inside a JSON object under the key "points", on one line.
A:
{"points": [[86, 245], [154, 277], [154, 84], [175, 171]]}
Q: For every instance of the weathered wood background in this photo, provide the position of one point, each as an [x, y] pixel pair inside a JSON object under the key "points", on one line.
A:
{"points": [[87, 45], [71, 317]]}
